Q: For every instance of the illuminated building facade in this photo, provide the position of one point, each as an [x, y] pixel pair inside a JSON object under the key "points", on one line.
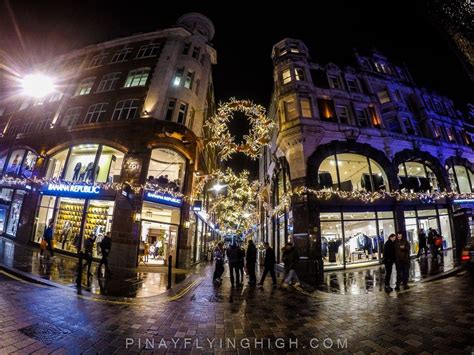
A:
{"points": [[360, 129], [115, 148]]}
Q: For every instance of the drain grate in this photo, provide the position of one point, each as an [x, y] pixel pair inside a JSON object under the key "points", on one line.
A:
{"points": [[45, 332]]}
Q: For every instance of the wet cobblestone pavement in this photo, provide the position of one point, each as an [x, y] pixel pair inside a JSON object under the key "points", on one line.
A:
{"points": [[63, 270], [432, 317]]}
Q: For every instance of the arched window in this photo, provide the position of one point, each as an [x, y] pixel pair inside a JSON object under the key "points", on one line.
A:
{"points": [[167, 169], [351, 172], [21, 163], [461, 179], [417, 177], [86, 163]]}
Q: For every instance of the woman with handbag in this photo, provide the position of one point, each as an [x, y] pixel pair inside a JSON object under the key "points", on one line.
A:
{"points": [[48, 239]]}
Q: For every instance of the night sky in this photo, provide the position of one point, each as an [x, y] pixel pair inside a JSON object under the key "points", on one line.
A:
{"points": [[244, 38]]}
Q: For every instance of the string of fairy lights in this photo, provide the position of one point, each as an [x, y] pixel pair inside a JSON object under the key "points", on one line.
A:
{"points": [[237, 208]]}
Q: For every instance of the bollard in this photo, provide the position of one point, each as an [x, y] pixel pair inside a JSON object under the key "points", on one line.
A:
{"points": [[170, 259]]}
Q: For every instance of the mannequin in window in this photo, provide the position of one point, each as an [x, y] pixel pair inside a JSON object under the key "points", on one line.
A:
{"points": [[82, 173], [77, 171], [89, 173]]}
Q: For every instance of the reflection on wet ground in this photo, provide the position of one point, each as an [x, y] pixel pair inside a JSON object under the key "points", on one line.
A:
{"points": [[63, 270], [360, 281]]}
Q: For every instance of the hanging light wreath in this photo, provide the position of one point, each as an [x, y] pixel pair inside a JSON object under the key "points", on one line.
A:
{"points": [[260, 129]]}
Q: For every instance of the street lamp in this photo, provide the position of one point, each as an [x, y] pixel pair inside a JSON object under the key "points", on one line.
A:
{"points": [[35, 85], [217, 187]]}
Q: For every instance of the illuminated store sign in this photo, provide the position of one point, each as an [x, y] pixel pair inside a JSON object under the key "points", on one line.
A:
{"points": [[163, 198], [72, 189], [469, 200]]}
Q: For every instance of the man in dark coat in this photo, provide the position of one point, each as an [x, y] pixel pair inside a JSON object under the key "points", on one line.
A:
{"points": [[422, 242], [251, 259], [105, 246], [269, 264], [290, 259], [234, 256], [402, 261], [389, 259]]}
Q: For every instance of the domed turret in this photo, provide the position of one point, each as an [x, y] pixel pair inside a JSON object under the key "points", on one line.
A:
{"points": [[197, 24]]}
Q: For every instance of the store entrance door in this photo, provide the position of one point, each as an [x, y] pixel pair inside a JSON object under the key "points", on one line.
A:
{"points": [[159, 241]]}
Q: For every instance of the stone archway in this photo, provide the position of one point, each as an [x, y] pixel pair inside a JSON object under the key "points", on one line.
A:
{"points": [[339, 147], [410, 155]]}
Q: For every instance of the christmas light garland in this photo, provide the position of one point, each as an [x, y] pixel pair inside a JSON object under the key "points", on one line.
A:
{"points": [[365, 197], [116, 186], [260, 129]]}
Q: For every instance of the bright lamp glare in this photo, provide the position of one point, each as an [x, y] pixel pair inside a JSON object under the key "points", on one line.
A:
{"points": [[217, 187], [37, 85]]}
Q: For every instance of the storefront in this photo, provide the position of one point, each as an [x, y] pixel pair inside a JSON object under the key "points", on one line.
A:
{"points": [[161, 210], [354, 238], [160, 221], [78, 212]]}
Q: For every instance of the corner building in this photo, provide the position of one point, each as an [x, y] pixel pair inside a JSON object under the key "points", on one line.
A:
{"points": [[361, 128], [130, 110]]}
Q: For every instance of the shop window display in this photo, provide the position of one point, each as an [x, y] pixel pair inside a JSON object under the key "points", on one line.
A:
{"points": [[77, 164], [28, 165], [110, 165], [56, 165], [167, 169], [80, 165], [159, 233], [68, 218], [354, 237], [417, 177], [461, 179], [6, 196], [98, 222], [15, 210], [351, 172], [21, 163]]}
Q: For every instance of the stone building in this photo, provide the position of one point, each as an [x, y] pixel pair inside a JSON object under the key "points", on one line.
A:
{"points": [[361, 128], [130, 110]]}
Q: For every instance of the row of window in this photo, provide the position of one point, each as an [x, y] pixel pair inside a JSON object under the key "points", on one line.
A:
{"points": [[302, 107], [354, 172], [384, 68], [135, 78], [122, 55], [366, 116]]}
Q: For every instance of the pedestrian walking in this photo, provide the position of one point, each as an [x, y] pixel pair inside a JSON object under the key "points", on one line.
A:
{"points": [[290, 260], [242, 264], [251, 260], [219, 262], [389, 259], [269, 264], [48, 238], [234, 256], [432, 234], [87, 254], [422, 243], [402, 261], [105, 246]]}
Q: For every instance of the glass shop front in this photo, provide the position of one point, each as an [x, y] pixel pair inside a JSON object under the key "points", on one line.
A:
{"points": [[351, 238], [78, 208]]}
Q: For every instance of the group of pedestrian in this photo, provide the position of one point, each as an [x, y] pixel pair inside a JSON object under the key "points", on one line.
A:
{"points": [[239, 259], [397, 251], [85, 253], [433, 242]]}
